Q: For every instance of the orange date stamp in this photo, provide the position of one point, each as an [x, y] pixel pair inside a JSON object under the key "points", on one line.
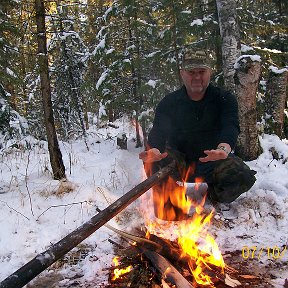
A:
{"points": [[255, 252]]}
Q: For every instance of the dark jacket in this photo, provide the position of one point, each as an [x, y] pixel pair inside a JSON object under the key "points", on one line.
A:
{"points": [[194, 126]]}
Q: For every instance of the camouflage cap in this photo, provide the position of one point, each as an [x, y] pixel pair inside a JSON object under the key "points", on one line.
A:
{"points": [[195, 59]]}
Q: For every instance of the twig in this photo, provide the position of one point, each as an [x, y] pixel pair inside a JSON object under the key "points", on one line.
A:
{"points": [[14, 210], [70, 164], [62, 205], [116, 244], [100, 190], [270, 162], [26, 183]]}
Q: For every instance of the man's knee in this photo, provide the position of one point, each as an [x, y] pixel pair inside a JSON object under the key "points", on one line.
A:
{"points": [[231, 178]]}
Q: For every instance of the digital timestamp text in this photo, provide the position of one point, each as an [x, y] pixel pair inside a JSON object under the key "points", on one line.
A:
{"points": [[255, 252]]}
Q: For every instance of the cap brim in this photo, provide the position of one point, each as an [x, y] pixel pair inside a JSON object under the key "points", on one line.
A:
{"points": [[194, 66]]}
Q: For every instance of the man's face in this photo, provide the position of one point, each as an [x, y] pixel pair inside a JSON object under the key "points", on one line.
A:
{"points": [[196, 80]]}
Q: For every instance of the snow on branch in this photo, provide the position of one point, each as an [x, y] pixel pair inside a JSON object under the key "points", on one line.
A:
{"points": [[242, 58], [276, 70], [102, 78]]}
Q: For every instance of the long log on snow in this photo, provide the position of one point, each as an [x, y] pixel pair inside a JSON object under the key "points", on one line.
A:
{"points": [[43, 260]]}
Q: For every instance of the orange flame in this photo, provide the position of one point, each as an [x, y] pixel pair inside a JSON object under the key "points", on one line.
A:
{"points": [[171, 203], [119, 272], [200, 246]]}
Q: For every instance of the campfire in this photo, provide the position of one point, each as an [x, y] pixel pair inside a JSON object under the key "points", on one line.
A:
{"points": [[181, 253], [196, 245]]}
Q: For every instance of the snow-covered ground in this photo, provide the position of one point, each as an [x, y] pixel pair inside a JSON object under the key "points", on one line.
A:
{"points": [[36, 211]]}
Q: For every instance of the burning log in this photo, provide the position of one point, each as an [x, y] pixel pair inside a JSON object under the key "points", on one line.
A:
{"points": [[167, 252], [167, 270], [43, 260], [139, 240]]}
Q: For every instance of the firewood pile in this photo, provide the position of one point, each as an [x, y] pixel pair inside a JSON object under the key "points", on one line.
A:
{"points": [[158, 262]]}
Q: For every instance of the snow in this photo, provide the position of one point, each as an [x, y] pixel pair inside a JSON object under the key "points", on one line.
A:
{"points": [[242, 58], [65, 35], [100, 33], [101, 45], [109, 51], [198, 22], [152, 54], [152, 83], [276, 70], [245, 48], [102, 78], [269, 50], [10, 72], [102, 111], [107, 12], [271, 22], [186, 12], [96, 178]]}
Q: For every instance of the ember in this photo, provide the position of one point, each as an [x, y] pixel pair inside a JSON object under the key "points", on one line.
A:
{"points": [[119, 272]]}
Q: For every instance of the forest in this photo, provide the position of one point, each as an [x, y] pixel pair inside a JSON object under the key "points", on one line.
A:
{"points": [[79, 84], [107, 59]]}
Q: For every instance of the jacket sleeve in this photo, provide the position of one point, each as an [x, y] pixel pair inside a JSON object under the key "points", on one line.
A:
{"points": [[158, 135], [230, 128]]}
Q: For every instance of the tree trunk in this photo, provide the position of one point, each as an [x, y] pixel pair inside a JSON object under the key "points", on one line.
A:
{"points": [[247, 79], [135, 87], [275, 100], [174, 37], [230, 35], [53, 146], [144, 131]]}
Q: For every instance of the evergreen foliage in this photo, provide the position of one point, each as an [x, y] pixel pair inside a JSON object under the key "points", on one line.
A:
{"points": [[68, 71], [113, 58], [263, 25], [12, 125]]}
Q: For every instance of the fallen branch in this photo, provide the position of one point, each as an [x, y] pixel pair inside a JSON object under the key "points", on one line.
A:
{"points": [[61, 205], [14, 209], [43, 260]]}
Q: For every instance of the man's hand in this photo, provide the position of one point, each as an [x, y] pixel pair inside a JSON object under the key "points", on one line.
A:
{"points": [[213, 155], [222, 152], [152, 155]]}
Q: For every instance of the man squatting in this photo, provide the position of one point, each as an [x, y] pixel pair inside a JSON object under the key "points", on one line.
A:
{"points": [[200, 121]]}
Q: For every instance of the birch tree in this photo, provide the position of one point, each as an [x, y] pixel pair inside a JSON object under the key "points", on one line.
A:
{"points": [[56, 161], [247, 76], [276, 100], [229, 32]]}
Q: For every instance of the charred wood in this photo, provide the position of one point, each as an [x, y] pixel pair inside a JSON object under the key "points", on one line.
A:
{"points": [[167, 270]]}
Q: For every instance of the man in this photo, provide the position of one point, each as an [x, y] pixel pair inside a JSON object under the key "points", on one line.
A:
{"points": [[201, 122]]}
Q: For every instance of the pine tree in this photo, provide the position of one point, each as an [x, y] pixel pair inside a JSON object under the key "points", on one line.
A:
{"points": [[11, 123], [69, 67], [263, 28]]}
